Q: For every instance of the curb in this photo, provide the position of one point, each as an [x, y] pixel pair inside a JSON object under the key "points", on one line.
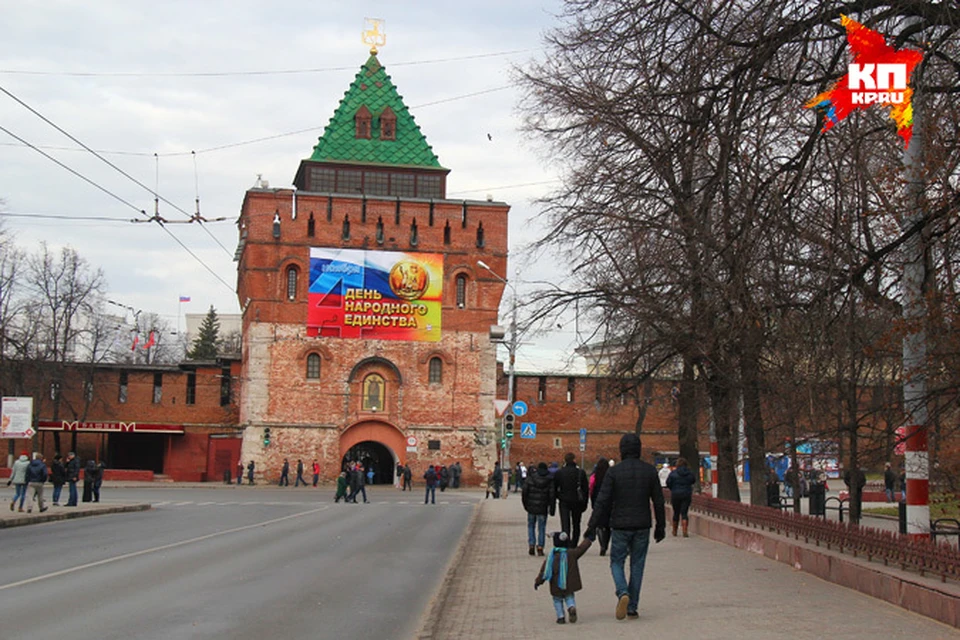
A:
{"points": [[427, 626], [21, 521]]}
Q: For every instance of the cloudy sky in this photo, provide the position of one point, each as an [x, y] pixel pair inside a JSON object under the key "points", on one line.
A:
{"points": [[201, 96]]}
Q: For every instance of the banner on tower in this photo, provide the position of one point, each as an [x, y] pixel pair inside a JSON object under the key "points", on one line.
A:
{"points": [[375, 295]]}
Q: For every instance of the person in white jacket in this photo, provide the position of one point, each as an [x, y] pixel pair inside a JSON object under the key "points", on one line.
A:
{"points": [[664, 473], [18, 478]]}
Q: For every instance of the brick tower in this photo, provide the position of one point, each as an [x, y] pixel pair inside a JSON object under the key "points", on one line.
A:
{"points": [[365, 314]]}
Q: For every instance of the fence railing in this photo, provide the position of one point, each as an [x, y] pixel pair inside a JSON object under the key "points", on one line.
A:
{"points": [[923, 556]]}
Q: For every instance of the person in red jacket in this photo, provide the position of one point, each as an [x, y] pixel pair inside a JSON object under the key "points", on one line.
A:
{"points": [[316, 473]]}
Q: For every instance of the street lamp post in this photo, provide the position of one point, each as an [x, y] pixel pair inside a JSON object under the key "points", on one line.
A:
{"points": [[512, 351]]}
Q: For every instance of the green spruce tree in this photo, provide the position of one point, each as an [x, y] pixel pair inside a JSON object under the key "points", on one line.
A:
{"points": [[206, 343]]}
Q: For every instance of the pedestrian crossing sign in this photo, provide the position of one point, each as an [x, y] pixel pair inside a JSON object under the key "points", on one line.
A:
{"points": [[528, 429]]}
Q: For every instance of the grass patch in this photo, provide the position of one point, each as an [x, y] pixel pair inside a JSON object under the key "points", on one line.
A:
{"points": [[942, 505]]}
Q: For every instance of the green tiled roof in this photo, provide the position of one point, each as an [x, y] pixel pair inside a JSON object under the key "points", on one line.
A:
{"points": [[373, 88]]}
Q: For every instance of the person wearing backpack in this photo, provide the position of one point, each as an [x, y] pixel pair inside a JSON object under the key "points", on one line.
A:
{"points": [[572, 489]]}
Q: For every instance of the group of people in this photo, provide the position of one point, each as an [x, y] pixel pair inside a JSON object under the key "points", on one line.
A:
{"points": [[285, 474], [447, 476], [439, 476], [627, 502], [32, 474], [352, 482]]}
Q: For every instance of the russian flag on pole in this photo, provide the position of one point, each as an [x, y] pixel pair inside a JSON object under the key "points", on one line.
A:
{"points": [[184, 298]]}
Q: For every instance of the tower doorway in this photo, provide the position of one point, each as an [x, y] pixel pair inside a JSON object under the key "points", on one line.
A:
{"points": [[375, 456]]}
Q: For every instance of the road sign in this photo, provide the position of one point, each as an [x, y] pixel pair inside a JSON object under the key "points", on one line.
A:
{"points": [[583, 438], [519, 408], [583, 446], [528, 429], [412, 443], [500, 406]]}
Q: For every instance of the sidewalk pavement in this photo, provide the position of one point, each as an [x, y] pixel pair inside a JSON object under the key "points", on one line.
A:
{"points": [[692, 587], [10, 518]]}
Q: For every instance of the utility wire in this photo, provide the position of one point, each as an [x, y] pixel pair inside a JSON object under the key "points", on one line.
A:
{"points": [[156, 217], [275, 72], [122, 200]]}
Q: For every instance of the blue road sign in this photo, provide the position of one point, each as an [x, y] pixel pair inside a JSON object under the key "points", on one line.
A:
{"points": [[583, 436], [519, 408], [528, 429]]}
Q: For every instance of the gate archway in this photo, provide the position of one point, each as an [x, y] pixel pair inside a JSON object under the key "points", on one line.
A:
{"points": [[380, 443]]}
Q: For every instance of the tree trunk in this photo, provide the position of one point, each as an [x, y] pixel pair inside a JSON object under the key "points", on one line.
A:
{"points": [[721, 403], [687, 417]]}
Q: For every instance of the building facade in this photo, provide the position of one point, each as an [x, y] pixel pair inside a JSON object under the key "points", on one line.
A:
{"points": [[365, 315]]}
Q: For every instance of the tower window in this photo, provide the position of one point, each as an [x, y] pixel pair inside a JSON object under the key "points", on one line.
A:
{"points": [[542, 389], [414, 234], [388, 124], [345, 234], [225, 387], [157, 388], [436, 370], [122, 396], [379, 230], [191, 387], [571, 384], [461, 291], [291, 283], [362, 120], [446, 233], [313, 367], [480, 241], [311, 226]]}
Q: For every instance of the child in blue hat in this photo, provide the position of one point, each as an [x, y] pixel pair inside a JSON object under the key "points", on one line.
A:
{"points": [[560, 569]]}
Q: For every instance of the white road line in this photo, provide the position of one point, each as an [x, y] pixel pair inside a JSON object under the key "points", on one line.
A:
{"points": [[203, 504], [144, 552], [161, 504], [180, 504]]}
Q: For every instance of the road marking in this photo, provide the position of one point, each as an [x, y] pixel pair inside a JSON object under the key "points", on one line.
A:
{"points": [[180, 504], [164, 547], [160, 504], [203, 504]]}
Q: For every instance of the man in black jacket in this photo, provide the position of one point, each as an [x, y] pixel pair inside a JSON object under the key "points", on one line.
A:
{"points": [[623, 505], [73, 476], [539, 498], [572, 491]]}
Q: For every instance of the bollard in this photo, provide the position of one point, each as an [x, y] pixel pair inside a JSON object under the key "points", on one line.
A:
{"points": [[227, 477], [902, 516]]}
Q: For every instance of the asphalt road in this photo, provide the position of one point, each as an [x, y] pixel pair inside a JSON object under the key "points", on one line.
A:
{"points": [[232, 563]]}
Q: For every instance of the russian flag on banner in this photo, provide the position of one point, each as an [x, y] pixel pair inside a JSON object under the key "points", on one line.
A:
{"points": [[184, 298]]}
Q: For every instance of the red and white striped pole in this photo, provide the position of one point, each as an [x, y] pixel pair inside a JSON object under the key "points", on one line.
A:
{"points": [[714, 474], [917, 466]]}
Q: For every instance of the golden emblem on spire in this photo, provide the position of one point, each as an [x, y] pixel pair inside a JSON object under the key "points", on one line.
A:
{"points": [[373, 34]]}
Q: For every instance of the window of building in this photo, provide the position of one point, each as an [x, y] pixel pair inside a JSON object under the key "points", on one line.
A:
{"points": [[226, 388], [157, 388], [311, 226], [388, 124], [480, 240], [414, 234], [313, 367], [571, 384], [374, 392], [429, 187], [323, 180], [557, 443], [542, 389], [345, 233], [349, 181], [446, 233], [122, 396], [461, 291], [402, 184], [376, 183], [362, 120], [380, 236], [291, 283], [191, 387], [436, 370]]}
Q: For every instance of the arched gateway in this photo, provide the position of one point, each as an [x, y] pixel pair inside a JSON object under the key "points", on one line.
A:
{"points": [[375, 444]]}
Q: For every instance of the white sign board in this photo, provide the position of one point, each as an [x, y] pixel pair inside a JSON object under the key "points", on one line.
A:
{"points": [[16, 418], [411, 443]]}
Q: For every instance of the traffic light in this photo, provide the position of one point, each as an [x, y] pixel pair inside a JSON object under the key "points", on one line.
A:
{"points": [[508, 421], [266, 436], [503, 443]]}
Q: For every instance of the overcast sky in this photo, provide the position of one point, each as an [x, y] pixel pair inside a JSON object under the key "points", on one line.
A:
{"points": [[247, 86]]}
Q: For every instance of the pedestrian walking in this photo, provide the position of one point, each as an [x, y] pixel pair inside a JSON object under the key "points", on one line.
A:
{"points": [[773, 488], [623, 505], [285, 473], [353, 481], [89, 477], [58, 476], [370, 474], [596, 481], [316, 473], [239, 472], [362, 483], [497, 479], [36, 477], [98, 481], [680, 482], [561, 570], [444, 478], [573, 494], [73, 476], [663, 474], [341, 488], [407, 478], [457, 471], [889, 481], [398, 475], [250, 468], [539, 499], [430, 479], [18, 477], [300, 479]]}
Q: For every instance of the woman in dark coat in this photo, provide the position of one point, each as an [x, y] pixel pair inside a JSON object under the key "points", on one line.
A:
{"points": [[89, 477], [680, 482], [58, 476], [596, 479]]}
